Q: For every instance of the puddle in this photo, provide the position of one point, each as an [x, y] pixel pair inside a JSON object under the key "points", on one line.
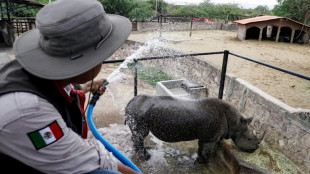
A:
{"points": [[180, 157]]}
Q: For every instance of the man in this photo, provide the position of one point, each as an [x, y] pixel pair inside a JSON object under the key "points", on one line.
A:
{"points": [[41, 122]]}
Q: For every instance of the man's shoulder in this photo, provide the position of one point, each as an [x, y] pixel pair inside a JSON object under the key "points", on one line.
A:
{"points": [[17, 105]]}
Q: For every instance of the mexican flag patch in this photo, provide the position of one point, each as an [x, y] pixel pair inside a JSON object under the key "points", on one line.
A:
{"points": [[45, 136]]}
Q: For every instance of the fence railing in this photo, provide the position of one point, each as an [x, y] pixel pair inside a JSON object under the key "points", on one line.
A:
{"points": [[22, 25], [225, 53]]}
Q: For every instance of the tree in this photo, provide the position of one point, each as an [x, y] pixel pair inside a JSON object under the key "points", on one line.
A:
{"points": [[137, 10], [121, 7], [27, 11], [142, 11], [298, 10], [262, 9], [206, 2], [186, 9], [159, 5]]}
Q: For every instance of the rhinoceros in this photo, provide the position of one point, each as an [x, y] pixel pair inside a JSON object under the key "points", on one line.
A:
{"points": [[173, 119]]}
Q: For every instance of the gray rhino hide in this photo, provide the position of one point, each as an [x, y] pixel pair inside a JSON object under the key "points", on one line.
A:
{"points": [[173, 120]]}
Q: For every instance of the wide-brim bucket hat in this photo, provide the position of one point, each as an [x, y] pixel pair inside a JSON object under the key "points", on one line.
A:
{"points": [[70, 38]]}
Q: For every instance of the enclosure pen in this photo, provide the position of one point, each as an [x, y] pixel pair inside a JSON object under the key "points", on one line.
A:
{"points": [[224, 66]]}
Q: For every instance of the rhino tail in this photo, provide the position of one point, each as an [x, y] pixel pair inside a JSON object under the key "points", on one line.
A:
{"points": [[262, 137]]}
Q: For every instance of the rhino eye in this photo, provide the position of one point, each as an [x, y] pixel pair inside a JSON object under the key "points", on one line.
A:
{"points": [[249, 139]]}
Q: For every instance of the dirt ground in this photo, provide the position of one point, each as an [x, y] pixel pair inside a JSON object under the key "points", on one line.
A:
{"points": [[289, 89]]}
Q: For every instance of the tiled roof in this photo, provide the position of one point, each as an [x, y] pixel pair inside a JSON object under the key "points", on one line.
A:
{"points": [[257, 19], [266, 18]]}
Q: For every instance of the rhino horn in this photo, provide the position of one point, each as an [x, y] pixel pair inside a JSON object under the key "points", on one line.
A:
{"points": [[249, 120], [246, 121]]}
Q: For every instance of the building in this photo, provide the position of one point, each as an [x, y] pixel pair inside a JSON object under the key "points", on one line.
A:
{"points": [[275, 28]]}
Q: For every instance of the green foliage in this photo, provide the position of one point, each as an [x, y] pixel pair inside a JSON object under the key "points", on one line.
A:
{"points": [[121, 7], [298, 10], [186, 9], [142, 11], [27, 11], [42, 1], [220, 11], [159, 5], [217, 11], [136, 10], [22, 11], [150, 75]]}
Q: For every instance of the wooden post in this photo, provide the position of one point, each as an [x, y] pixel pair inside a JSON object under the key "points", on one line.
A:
{"points": [[190, 34], [260, 34], [279, 30], [292, 35]]}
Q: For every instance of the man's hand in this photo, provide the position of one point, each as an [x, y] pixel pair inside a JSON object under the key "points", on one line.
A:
{"points": [[94, 87]]}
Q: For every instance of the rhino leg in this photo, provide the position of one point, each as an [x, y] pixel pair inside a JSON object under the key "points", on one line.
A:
{"points": [[206, 151], [139, 131], [201, 157], [138, 144]]}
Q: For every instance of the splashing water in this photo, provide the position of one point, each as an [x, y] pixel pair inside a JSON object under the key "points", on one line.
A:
{"points": [[116, 75], [153, 42]]}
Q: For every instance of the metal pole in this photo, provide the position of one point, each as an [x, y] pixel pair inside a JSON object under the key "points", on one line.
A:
{"points": [[223, 74], [136, 78], [190, 34], [161, 24], [8, 11], [156, 7], [273, 67]]}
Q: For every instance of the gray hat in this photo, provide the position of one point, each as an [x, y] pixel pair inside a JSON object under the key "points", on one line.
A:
{"points": [[70, 38]]}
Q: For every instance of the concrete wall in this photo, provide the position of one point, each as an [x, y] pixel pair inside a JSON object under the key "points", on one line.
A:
{"points": [[183, 26], [288, 129], [242, 29], [241, 32]]}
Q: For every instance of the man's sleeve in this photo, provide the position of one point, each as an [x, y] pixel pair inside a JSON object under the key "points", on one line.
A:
{"points": [[36, 135]]}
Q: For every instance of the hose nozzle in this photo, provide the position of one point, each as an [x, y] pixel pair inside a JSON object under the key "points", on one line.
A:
{"points": [[97, 94]]}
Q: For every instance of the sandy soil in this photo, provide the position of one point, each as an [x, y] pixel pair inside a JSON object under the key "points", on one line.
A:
{"points": [[289, 89]]}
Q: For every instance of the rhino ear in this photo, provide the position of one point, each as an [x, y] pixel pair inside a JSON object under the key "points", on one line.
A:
{"points": [[246, 121]]}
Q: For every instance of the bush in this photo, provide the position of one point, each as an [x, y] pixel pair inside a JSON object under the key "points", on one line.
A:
{"points": [[151, 75]]}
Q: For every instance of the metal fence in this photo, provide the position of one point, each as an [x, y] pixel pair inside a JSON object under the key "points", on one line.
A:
{"points": [[225, 53], [22, 25]]}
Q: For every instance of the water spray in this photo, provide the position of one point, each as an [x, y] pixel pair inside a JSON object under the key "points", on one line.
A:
{"points": [[98, 136]]}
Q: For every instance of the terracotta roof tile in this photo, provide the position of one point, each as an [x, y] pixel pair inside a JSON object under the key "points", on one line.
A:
{"points": [[257, 19]]}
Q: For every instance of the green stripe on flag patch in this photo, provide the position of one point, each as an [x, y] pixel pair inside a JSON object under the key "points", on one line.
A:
{"points": [[45, 136]]}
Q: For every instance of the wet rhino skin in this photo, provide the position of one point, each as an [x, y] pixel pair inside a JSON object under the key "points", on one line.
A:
{"points": [[173, 119]]}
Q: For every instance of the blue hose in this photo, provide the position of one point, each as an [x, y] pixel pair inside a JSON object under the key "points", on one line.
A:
{"points": [[107, 145]]}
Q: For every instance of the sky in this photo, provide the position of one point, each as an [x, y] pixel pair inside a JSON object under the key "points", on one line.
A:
{"points": [[242, 3]]}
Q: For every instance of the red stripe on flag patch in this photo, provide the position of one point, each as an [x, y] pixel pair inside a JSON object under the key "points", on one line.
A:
{"points": [[56, 130]]}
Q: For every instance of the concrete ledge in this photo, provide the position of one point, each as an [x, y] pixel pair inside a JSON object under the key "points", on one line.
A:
{"points": [[182, 88]]}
